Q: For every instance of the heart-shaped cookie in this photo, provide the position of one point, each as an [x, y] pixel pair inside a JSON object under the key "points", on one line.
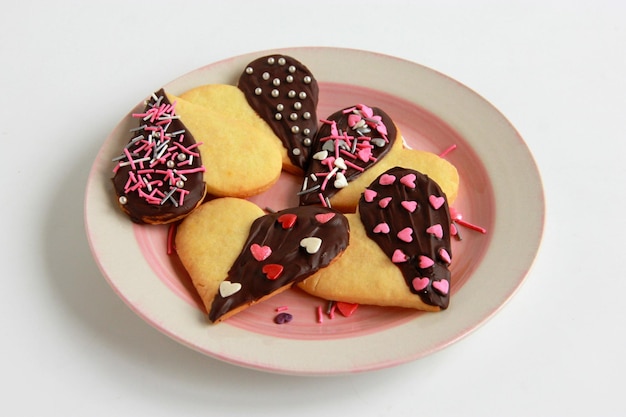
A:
{"points": [[284, 93], [407, 251], [237, 256], [357, 144], [159, 174], [241, 154]]}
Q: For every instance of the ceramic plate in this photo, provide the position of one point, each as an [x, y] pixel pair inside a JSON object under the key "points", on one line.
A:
{"points": [[499, 182]]}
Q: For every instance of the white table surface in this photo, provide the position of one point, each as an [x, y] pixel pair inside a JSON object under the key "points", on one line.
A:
{"points": [[71, 70]]}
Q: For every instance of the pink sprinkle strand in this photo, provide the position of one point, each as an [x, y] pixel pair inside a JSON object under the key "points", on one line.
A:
{"points": [[447, 151], [320, 315]]}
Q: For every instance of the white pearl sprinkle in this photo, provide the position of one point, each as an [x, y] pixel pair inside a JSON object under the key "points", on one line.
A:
{"points": [[270, 60], [295, 129], [296, 151], [278, 116], [181, 157], [306, 115], [266, 76], [293, 116], [275, 93], [170, 164], [289, 78], [281, 61], [123, 200], [249, 70], [291, 94], [307, 131], [258, 91], [276, 82], [292, 68], [307, 80], [307, 142], [280, 107], [180, 183], [302, 95], [297, 105]]}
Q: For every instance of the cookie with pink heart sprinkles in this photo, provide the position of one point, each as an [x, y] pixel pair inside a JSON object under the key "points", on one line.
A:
{"points": [[282, 249], [348, 142], [284, 93], [406, 213]]}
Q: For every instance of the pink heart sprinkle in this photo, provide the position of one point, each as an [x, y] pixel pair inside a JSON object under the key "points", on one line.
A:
{"points": [[387, 179], [369, 195], [406, 235], [324, 217], [366, 110], [419, 283], [442, 286], [260, 253], [410, 206], [364, 154], [425, 262], [445, 256], [384, 202], [436, 202], [435, 230], [353, 119], [398, 257], [381, 228], [408, 180], [381, 128]]}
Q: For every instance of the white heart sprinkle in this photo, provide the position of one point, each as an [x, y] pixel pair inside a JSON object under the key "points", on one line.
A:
{"points": [[340, 181], [321, 155], [228, 288], [311, 244], [340, 163]]}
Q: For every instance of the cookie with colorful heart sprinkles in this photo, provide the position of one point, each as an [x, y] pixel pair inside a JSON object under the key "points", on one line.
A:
{"points": [[237, 256], [356, 144], [159, 174], [399, 253], [284, 93]]}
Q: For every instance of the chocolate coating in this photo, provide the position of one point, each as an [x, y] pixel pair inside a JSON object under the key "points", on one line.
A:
{"points": [[284, 93], [325, 141], [283, 236], [133, 181], [398, 218]]}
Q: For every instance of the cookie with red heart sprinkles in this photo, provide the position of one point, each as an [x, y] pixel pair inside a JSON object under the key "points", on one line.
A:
{"points": [[284, 93]]}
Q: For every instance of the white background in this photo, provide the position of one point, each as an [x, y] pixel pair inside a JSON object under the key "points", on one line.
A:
{"points": [[71, 70]]}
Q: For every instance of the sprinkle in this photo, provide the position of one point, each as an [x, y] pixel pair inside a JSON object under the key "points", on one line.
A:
{"points": [[281, 308], [447, 151], [310, 190], [171, 233], [329, 306], [320, 315], [470, 226], [283, 318]]}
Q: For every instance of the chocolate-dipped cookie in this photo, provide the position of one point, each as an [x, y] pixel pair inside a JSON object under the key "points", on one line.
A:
{"points": [[158, 175], [284, 92]]}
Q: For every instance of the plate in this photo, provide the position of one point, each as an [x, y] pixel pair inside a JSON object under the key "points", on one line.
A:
{"points": [[500, 190]]}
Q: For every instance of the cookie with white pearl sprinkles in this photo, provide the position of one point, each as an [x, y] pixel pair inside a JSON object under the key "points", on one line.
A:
{"points": [[399, 253], [158, 176], [237, 255], [284, 92]]}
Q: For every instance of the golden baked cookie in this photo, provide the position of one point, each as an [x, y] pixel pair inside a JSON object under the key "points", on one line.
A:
{"points": [[399, 250], [238, 256]]}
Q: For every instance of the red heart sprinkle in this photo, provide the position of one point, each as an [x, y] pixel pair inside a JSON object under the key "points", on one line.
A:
{"points": [[287, 220], [272, 271], [346, 309]]}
